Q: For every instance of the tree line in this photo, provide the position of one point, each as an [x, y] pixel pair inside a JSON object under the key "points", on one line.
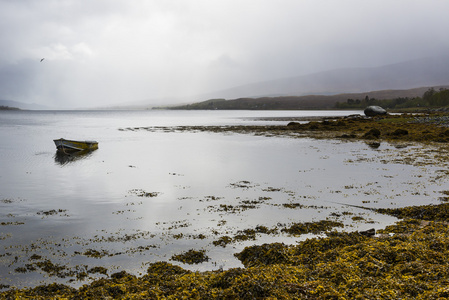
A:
{"points": [[8, 108], [430, 98]]}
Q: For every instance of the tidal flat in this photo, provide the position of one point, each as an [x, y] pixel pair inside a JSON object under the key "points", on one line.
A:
{"points": [[306, 236]]}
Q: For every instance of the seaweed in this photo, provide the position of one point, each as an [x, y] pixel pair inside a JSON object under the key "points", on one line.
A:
{"points": [[341, 265], [311, 227], [438, 212], [191, 257]]}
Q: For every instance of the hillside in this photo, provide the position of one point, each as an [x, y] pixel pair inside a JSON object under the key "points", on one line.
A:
{"points": [[21, 105], [300, 102]]}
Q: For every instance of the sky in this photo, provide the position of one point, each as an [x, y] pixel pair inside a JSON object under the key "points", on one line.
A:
{"points": [[108, 52]]}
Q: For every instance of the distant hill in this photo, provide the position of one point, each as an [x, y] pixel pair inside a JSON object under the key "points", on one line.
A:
{"points": [[8, 108], [433, 71], [22, 105], [301, 102]]}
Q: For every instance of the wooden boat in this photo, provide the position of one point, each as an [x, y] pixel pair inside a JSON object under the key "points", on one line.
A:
{"points": [[69, 145]]}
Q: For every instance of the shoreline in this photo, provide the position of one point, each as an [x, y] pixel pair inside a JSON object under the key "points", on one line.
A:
{"points": [[422, 128]]}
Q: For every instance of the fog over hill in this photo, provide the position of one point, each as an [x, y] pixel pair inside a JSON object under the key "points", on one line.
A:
{"points": [[432, 71], [405, 79], [21, 105]]}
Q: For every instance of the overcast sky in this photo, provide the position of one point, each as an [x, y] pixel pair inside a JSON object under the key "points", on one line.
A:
{"points": [[104, 52]]}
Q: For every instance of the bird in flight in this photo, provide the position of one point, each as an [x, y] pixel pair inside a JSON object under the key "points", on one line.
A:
{"points": [[42, 59]]}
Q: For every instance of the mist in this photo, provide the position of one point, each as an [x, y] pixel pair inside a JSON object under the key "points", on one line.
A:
{"points": [[106, 53]]}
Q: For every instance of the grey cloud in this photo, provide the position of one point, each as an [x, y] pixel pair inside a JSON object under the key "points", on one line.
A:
{"points": [[113, 51]]}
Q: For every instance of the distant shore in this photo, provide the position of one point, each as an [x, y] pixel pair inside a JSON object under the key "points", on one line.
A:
{"points": [[8, 108]]}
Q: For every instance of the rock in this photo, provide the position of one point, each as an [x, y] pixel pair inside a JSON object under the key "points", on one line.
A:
{"points": [[373, 145], [400, 132], [354, 116], [293, 124], [369, 232], [373, 133], [371, 111]]}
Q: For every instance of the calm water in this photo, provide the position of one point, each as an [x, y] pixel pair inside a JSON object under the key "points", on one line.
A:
{"points": [[194, 187]]}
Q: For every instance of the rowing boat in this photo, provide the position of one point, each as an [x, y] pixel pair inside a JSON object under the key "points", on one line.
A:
{"points": [[70, 145]]}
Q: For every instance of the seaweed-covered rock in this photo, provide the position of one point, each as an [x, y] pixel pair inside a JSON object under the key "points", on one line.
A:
{"points": [[373, 110], [399, 132], [373, 133], [165, 270], [369, 232], [52, 289], [311, 227], [293, 124], [191, 257], [424, 212], [266, 254]]}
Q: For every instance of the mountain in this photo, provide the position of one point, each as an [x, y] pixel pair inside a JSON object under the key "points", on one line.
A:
{"points": [[431, 71], [22, 105]]}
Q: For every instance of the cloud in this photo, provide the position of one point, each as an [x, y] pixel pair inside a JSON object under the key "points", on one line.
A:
{"points": [[114, 51], [60, 51]]}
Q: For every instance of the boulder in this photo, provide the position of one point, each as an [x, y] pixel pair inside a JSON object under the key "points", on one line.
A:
{"points": [[371, 111]]}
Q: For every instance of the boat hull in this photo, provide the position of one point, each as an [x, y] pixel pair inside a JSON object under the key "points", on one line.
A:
{"points": [[70, 145]]}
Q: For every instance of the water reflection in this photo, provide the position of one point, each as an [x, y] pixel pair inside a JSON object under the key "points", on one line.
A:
{"points": [[63, 158], [373, 145]]}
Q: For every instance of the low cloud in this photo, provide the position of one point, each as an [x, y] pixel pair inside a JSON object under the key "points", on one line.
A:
{"points": [[108, 52]]}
